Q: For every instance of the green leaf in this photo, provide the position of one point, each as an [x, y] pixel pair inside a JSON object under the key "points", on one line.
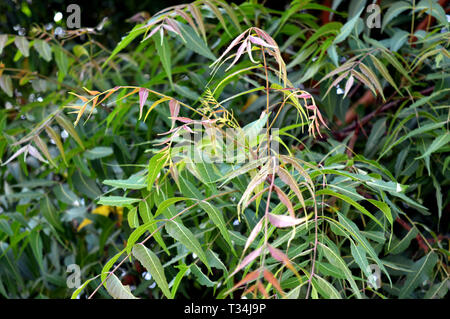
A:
{"points": [[437, 291], [243, 169], [420, 130], [440, 141], [4, 227], [437, 186], [85, 185], [134, 182], [68, 126], [57, 139], [303, 55], [105, 270], [384, 72], [119, 201], [350, 201], [65, 195], [147, 216], [194, 42], [378, 130], [98, 152], [137, 233], [384, 208], [216, 216], [202, 169], [176, 282], [62, 61], [391, 58], [420, 271], [80, 289], [201, 277], [80, 50], [151, 262], [132, 217], [36, 246], [328, 28], [155, 166], [3, 40], [50, 214], [328, 269], [117, 290], [436, 10], [6, 84], [359, 254], [253, 129], [163, 207], [350, 227], [339, 262], [394, 10], [23, 45], [347, 28], [398, 246], [186, 237], [44, 49], [325, 288], [137, 30], [163, 48]]}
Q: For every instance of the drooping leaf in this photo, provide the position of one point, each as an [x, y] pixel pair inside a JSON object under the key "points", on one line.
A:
{"points": [[23, 45], [182, 234], [394, 10], [420, 271], [6, 85], [194, 42], [164, 53], [338, 261], [117, 290], [151, 262], [201, 277], [137, 30], [44, 49], [98, 152], [217, 218], [347, 28]]}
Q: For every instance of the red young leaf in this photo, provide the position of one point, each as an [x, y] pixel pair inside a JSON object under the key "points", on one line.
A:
{"points": [[277, 254], [280, 256], [254, 197], [285, 200], [183, 119], [20, 151], [266, 37], [262, 290], [248, 278], [238, 54], [290, 181], [232, 44], [152, 33], [249, 290], [143, 95], [174, 107], [253, 234], [304, 96], [282, 221], [271, 278], [250, 257], [172, 23], [260, 42]]}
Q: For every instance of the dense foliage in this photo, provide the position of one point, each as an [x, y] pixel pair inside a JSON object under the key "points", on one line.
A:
{"points": [[117, 158]]}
